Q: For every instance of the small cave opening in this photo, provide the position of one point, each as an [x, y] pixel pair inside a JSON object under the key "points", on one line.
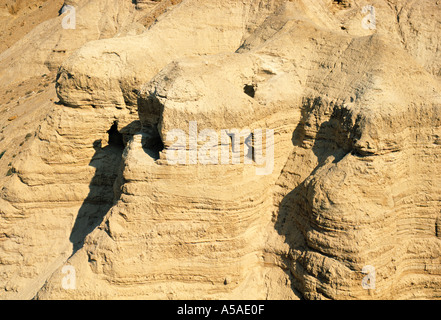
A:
{"points": [[152, 142], [342, 3], [115, 137], [249, 90]]}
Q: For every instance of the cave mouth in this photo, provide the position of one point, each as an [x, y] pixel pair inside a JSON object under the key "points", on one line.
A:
{"points": [[342, 3], [115, 137], [250, 90], [152, 143]]}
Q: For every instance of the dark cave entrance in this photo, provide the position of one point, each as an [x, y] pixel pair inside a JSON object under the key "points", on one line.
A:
{"points": [[249, 90], [115, 137]]}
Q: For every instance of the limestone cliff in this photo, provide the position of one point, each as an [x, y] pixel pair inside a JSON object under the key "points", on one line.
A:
{"points": [[347, 94]]}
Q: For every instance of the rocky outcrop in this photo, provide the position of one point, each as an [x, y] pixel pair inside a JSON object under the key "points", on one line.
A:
{"points": [[123, 65], [352, 124], [50, 42]]}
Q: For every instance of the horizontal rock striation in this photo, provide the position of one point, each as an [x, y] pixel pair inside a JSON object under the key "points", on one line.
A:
{"points": [[352, 122]]}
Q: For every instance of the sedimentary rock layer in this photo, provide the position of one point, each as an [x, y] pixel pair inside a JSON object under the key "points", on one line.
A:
{"points": [[355, 182]]}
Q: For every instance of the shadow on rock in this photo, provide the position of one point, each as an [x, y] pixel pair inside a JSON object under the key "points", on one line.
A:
{"points": [[293, 219]]}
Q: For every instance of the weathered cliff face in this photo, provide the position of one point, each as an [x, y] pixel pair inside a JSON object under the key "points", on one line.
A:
{"points": [[61, 31], [350, 120]]}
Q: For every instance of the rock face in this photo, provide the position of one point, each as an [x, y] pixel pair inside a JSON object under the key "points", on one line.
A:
{"points": [[348, 101]]}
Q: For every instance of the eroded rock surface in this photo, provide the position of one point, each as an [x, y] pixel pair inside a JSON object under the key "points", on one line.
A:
{"points": [[354, 181]]}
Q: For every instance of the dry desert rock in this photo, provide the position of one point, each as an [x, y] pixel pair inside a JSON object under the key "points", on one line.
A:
{"points": [[349, 103]]}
